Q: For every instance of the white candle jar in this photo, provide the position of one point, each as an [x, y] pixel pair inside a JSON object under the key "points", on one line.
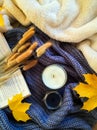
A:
{"points": [[54, 76]]}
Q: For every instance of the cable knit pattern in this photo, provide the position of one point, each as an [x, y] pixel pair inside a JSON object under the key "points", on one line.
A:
{"points": [[68, 116]]}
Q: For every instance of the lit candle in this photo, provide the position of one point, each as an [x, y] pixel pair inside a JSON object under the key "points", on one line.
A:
{"points": [[54, 76]]}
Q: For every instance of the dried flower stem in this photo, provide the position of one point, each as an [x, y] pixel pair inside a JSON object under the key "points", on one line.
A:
{"points": [[33, 46], [20, 56], [24, 47], [31, 64], [41, 50], [13, 56], [27, 53], [25, 37], [31, 29]]}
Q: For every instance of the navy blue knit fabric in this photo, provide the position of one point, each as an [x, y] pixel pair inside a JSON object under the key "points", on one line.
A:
{"points": [[68, 116]]}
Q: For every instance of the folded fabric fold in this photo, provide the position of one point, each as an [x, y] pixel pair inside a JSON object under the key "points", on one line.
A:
{"points": [[89, 49]]}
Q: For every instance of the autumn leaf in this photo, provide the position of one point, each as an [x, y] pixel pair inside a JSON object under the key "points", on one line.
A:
{"points": [[89, 90], [18, 108]]}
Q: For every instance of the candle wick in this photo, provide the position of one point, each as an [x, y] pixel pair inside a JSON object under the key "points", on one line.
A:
{"points": [[53, 75]]}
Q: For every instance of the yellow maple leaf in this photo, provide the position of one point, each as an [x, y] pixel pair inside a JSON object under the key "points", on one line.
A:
{"points": [[89, 90], [18, 108]]}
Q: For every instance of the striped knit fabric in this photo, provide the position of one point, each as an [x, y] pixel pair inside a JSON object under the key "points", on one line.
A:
{"points": [[68, 116]]}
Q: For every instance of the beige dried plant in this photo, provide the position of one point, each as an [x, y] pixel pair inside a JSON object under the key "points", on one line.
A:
{"points": [[20, 56]]}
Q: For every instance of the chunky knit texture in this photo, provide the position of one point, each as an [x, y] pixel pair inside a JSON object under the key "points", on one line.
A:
{"points": [[68, 116]]}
